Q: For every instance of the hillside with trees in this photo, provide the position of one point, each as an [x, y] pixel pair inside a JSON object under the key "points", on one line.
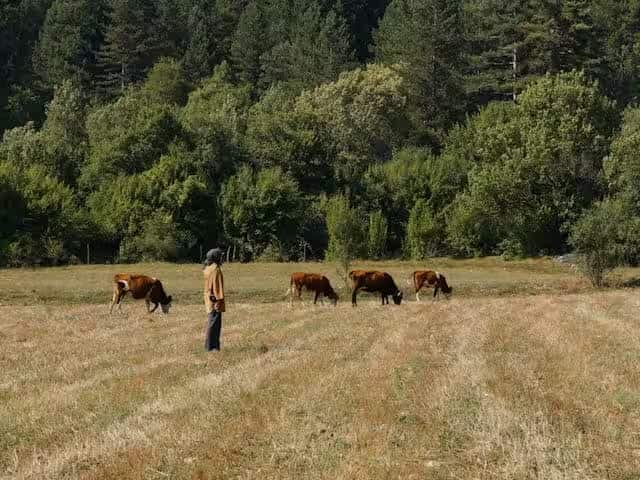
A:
{"points": [[147, 129]]}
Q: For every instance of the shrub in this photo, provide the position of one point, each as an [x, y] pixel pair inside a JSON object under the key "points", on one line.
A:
{"points": [[603, 237], [345, 233], [423, 232], [378, 229]]}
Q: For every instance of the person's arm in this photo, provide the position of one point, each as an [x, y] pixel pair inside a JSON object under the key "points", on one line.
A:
{"points": [[218, 286]]}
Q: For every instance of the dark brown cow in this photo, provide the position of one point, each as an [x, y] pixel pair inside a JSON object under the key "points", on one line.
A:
{"points": [[140, 286], [313, 282], [374, 281], [431, 279]]}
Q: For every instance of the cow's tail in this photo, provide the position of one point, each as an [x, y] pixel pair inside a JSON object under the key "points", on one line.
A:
{"points": [[415, 281], [444, 285]]}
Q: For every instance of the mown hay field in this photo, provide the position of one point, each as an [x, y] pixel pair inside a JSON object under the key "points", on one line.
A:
{"points": [[525, 373]]}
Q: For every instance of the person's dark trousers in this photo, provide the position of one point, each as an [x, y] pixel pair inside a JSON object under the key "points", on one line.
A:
{"points": [[214, 326]]}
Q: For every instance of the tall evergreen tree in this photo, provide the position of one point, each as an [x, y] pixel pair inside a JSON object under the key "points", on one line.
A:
{"points": [[131, 44], [250, 41], [210, 26], [362, 17], [69, 40], [314, 49], [426, 38]]}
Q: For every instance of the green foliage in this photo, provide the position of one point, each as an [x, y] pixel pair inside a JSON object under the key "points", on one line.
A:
{"points": [[544, 168], [377, 235], [38, 213], [68, 41], [315, 49], [166, 83], [395, 186], [156, 241], [426, 38], [132, 44], [424, 234], [346, 233], [261, 209], [604, 237], [359, 118], [127, 137]]}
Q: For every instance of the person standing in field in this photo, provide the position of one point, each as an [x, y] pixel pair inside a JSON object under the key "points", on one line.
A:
{"points": [[213, 298]]}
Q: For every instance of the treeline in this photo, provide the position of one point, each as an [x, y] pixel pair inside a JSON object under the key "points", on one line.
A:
{"points": [[148, 128]]}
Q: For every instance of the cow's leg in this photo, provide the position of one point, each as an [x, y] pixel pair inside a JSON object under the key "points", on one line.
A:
{"points": [[115, 298], [418, 293], [155, 305], [354, 293], [315, 297], [436, 290]]}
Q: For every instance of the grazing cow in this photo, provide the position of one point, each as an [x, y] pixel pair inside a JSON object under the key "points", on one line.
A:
{"points": [[431, 279], [373, 281], [140, 286], [313, 282]]}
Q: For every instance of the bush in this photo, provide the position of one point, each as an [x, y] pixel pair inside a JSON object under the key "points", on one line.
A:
{"points": [[378, 229], [270, 254], [156, 242], [345, 233], [423, 232], [603, 237]]}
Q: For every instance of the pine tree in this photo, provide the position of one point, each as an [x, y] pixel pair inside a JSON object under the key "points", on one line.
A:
{"points": [[131, 44], [313, 49], [362, 17], [210, 27], [426, 38], [68, 41], [250, 41]]}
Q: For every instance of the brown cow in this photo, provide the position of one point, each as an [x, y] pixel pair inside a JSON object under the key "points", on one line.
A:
{"points": [[373, 281], [431, 279], [313, 282], [140, 286]]}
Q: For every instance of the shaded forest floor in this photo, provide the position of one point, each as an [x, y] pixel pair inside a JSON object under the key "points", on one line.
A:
{"points": [[495, 383]]}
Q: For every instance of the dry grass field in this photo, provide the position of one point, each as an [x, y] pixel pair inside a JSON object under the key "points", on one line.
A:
{"points": [[525, 373]]}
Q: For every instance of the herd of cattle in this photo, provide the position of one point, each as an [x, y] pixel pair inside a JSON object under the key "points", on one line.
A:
{"points": [[151, 290]]}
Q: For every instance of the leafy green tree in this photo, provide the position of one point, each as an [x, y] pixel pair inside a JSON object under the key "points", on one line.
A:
{"points": [[64, 134], [166, 83], [346, 234], [261, 209], [395, 186], [427, 38], [359, 119], [278, 136], [531, 185], [377, 235], [40, 213], [604, 237], [424, 233], [127, 137]]}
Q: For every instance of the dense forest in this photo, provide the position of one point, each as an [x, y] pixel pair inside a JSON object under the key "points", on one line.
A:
{"points": [[288, 129]]}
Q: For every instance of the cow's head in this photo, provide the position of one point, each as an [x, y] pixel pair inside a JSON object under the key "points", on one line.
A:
{"points": [[447, 292], [166, 304], [333, 296], [397, 297]]}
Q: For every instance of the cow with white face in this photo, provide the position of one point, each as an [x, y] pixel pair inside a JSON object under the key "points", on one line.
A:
{"points": [[140, 286]]}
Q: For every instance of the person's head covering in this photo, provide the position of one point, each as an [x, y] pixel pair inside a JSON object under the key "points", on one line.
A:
{"points": [[213, 256]]}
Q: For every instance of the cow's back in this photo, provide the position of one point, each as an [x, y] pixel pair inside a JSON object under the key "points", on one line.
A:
{"points": [[138, 285]]}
